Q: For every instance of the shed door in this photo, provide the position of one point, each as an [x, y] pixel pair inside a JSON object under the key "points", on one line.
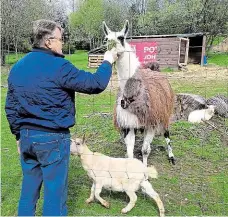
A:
{"points": [[183, 51]]}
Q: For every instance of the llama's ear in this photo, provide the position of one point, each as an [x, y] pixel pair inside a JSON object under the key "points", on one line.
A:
{"points": [[105, 28], [125, 28], [83, 139]]}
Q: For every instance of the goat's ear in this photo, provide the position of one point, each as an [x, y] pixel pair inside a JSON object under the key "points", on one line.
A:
{"points": [[125, 28], [83, 139], [106, 29]]}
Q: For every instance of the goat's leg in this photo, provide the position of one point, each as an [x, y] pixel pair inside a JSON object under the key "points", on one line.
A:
{"points": [[148, 189], [129, 138], [133, 198], [148, 138], [169, 148], [91, 198], [98, 189]]}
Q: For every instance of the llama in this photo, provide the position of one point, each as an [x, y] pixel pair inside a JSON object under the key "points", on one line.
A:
{"points": [[117, 174], [154, 66], [156, 98], [199, 116]]}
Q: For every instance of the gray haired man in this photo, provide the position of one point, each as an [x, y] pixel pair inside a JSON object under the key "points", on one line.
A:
{"points": [[40, 108]]}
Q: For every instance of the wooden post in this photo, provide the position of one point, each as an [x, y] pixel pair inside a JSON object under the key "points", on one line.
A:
{"points": [[186, 52], [203, 49], [179, 52]]}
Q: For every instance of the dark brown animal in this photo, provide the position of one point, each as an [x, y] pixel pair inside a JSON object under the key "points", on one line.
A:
{"points": [[154, 66]]}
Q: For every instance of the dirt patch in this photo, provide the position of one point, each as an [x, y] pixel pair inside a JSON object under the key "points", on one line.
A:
{"points": [[207, 72], [190, 73]]}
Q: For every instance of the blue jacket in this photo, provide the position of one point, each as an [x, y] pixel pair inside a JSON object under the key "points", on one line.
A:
{"points": [[41, 91]]}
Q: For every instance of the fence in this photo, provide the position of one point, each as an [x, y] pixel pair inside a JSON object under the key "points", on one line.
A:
{"points": [[196, 185]]}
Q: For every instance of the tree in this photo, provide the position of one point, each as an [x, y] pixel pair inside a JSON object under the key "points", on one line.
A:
{"points": [[17, 17], [87, 20]]}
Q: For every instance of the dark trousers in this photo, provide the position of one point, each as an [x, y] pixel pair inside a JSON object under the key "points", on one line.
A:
{"points": [[44, 159]]}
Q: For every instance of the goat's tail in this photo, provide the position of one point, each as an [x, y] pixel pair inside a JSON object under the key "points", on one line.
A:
{"points": [[152, 172]]}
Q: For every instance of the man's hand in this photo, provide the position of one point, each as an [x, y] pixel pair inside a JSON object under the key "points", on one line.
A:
{"points": [[111, 55], [18, 147]]}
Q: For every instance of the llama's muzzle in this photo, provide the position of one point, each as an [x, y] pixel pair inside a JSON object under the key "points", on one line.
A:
{"points": [[124, 104]]}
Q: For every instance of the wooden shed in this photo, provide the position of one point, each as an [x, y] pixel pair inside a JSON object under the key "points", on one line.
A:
{"points": [[171, 51]]}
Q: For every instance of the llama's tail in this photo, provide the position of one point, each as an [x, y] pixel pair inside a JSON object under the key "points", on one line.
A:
{"points": [[152, 172]]}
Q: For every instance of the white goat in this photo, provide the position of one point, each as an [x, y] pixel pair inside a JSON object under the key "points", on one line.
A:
{"points": [[198, 116], [117, 174]]}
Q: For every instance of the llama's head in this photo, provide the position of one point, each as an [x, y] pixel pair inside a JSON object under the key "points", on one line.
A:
{"points": [[116, 39], [77, 146], [131, 92]]}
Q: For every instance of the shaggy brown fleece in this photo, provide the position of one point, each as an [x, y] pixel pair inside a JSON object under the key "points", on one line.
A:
{"points": [[153, 98]]}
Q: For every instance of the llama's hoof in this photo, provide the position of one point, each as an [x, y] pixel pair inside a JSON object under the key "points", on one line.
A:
{"points": [[106, 204], [172, 160], [124, 211], [88, 200], [127, 156], [162, 214]]}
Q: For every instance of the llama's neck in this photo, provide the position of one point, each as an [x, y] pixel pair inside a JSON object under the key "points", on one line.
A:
{"points": [[127, 64]]}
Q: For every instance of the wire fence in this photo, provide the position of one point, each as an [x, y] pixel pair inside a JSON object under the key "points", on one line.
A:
{"points": [[196, 185]]}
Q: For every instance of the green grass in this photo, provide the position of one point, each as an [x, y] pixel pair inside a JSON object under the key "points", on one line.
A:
{"points": [[197, 185], [220, 59], [205, 88], [168, 69], [4, 74], [79, 59], [13, 58]]}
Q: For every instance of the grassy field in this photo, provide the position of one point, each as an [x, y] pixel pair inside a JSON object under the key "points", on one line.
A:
{"points": [[197, 185], [220, 59]]}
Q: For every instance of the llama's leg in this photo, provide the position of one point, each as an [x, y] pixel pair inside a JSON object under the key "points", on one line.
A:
{"points": [[169, 148], [133, 198], [129, 138], [148, 138], [98, 189], [148, 189], [91, 198]]}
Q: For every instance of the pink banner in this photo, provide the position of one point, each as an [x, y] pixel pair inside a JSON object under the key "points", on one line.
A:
{"points": [[145, 51]]}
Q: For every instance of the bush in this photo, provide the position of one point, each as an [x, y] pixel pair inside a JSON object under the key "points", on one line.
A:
{"points": [[82, 45], [66, 49]]}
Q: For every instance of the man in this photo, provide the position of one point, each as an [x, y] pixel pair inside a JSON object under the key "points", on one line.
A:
{"points": [[40, 108]]}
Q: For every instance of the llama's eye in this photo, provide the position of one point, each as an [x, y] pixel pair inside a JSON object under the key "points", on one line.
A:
{"points": [[131, 99], [121, 39], [77, 143]]}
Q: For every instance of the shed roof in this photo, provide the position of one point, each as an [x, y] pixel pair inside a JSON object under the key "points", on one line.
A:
{"points": [[168, 36]]}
